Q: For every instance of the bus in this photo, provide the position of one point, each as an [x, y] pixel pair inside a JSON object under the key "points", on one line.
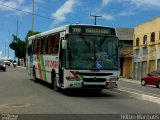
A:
{"points": [[75, 56]]}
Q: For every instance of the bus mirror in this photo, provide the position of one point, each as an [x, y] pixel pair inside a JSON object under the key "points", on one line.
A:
{"points": [[64, 44]]}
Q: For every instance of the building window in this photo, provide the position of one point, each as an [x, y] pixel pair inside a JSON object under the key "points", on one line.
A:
{"points": [[137, 42], [145, 40], [159, 35], [153, 37]]}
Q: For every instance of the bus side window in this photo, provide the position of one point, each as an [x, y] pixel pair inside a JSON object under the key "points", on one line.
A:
{"points": [[56, 44], [44, 45], [46, 49], [29, 48], [33, 42], [49, 45], [41, 45], [52, 44], [35, 46]]}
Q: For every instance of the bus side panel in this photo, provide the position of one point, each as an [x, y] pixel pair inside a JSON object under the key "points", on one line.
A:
{"points": [[44, 64]]}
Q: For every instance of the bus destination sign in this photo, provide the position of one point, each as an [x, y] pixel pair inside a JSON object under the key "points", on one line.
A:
{"points": [[97, 31], [92, 30]]}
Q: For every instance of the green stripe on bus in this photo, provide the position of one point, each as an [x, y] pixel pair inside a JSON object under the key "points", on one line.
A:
{"points": [[43, 67], [80, 76]]}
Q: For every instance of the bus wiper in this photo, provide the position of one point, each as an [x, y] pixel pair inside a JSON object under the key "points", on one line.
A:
{"points": [[84, 39], [94, 69], [103, 40]]}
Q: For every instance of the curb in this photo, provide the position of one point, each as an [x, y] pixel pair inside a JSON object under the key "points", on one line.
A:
{"points": [[142, 96], [130, 80]]}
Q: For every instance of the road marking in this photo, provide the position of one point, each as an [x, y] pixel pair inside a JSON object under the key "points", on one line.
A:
{"points": [[141, 96]]}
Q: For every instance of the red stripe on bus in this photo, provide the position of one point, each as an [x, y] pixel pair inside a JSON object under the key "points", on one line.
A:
{"points": [[39, 67], [75, 75]]}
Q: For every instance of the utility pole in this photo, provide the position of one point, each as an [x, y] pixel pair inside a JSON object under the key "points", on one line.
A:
{"points": [[95, 18], [17, 28], [5, 49], [16, 35], [32, 15], [8, 46]]}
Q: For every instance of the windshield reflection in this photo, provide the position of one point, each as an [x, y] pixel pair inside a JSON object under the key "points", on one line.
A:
{"points": [[92, 52]]}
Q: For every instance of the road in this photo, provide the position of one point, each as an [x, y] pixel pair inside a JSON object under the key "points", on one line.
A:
{"points": [[20, 95], [136, 87]]}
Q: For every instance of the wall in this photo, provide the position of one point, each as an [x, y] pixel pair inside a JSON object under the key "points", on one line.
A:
{"points": [[153, 48]]}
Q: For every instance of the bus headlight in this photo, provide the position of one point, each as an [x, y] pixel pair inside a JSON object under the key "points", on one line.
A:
{"points": [[113, 78]]}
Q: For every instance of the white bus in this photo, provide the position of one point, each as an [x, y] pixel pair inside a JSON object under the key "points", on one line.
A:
{"points": [[75, 56]]}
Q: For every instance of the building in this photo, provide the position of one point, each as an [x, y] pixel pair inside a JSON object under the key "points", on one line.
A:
{"points": [[125, 36], [146, 48]]}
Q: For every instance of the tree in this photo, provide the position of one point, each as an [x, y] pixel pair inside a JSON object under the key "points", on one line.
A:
{"points": [[30, 33], [19, 47]]}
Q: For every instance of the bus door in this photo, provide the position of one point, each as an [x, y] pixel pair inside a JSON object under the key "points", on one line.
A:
{"points": [[30, 57], [61, 60], [61, 65]]}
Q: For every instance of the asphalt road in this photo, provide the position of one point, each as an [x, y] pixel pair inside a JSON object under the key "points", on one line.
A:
{"points": [[136, 87], [20, 95]]}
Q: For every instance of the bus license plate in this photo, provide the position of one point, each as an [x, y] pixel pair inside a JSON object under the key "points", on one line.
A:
{"points": [[112, 84]]}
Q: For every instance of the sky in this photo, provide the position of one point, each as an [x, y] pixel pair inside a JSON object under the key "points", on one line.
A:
{"points": [[53, 13]]}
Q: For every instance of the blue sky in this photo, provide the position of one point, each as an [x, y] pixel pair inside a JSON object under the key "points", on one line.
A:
{"points": [[115, 13]]}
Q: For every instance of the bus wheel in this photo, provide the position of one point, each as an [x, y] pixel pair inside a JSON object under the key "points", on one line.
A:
{"points": [[54, 82], [34, 75]]}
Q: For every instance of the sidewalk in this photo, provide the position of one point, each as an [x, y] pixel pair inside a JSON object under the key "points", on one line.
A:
{"points": [[143, 93], [130, 80], [21, 66]]}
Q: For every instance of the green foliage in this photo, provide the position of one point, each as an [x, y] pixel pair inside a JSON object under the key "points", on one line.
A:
{"points": [[30, 33], [18, 46]]}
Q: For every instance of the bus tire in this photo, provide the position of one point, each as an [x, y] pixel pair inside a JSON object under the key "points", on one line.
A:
{"points": [[54, 81], [34, 75]]}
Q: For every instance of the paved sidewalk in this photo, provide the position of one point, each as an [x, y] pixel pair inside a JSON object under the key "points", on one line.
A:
{"points": [[143, 93], [130, 80]]}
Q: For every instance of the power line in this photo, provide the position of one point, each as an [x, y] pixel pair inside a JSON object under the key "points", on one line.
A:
{"points": [[26, 11]]}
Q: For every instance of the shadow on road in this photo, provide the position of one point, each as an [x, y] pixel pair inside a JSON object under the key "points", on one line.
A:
{"points": [[86, 93], [81, 92]]}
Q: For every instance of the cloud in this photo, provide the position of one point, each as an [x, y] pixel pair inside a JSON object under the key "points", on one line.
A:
{"points": [[143, 4], [126, 13], [149, 3], [108, 17], [129, 7], [20, 1], [8, 3], [105, 2], [12, 5], [66, 8]]}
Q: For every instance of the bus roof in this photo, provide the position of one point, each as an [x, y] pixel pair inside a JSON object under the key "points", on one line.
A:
{"points": [[63, 28]]}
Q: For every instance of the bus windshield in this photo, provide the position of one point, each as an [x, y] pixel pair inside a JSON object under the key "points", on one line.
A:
{"points": [[94, 52]]}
